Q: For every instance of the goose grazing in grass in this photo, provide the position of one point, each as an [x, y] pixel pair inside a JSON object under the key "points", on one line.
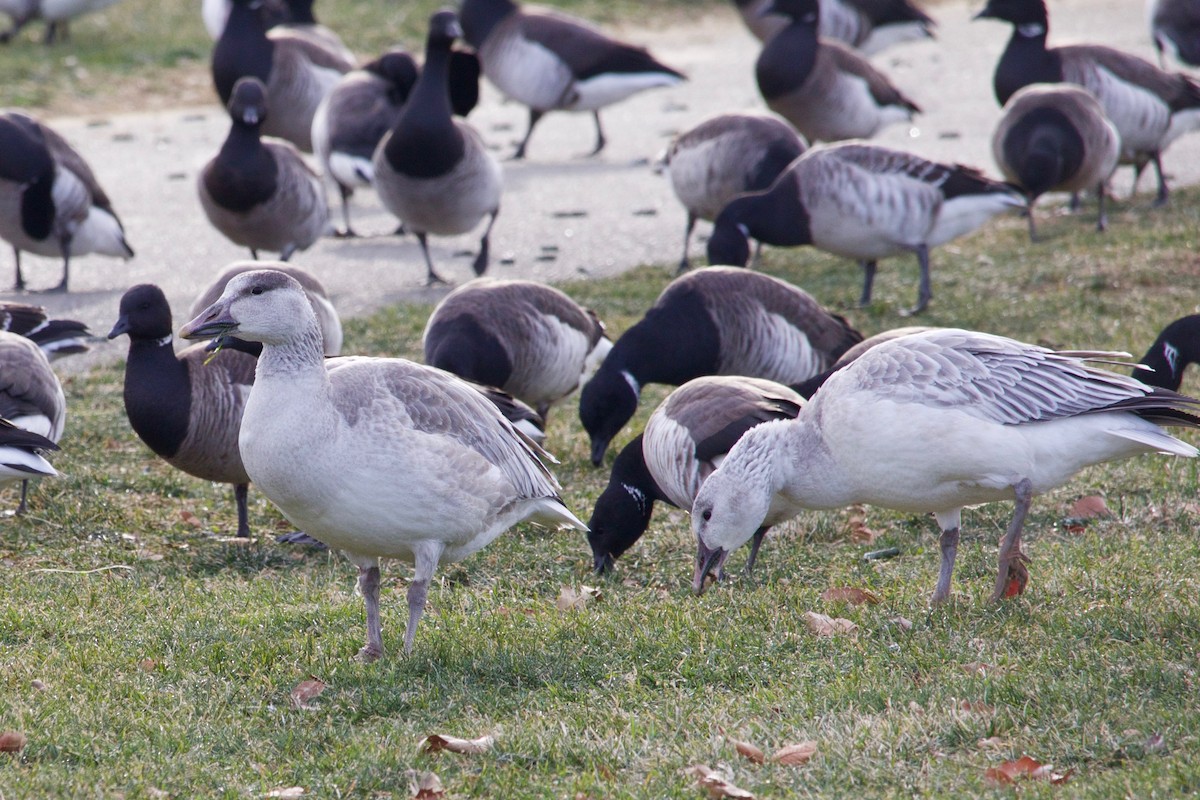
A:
{"points": [[553, 62], [725, 156], [1177, 346], [529, 339], [57, 14], [186, 406], [866, 25], [1175, 29], [50, 201], [935, 422], [31, 396], [405, 460], [56, 337], [1055, 137], [21, 455], [684, 441], [713, 321], [260, 193], [433, 171], [824, 89], [1149, 106], [864, 202]]}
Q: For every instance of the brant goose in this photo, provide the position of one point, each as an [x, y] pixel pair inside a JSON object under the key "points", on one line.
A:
{"points": [[866, 25], [57, 15], [1177, 346]]}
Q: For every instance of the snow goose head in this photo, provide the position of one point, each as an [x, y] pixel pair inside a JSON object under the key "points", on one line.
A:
{"points": [[261, 306]]}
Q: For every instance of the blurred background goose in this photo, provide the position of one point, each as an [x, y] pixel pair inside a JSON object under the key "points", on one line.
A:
{"points": [[409, 461], [56, 337], [31, 396], [725, 156], [866, 25], [553, 62], [713, 321], [301, 19], [864, 202], [57, 15], [50, 201], [1177, 346], [1175, 29], [934, 422]]}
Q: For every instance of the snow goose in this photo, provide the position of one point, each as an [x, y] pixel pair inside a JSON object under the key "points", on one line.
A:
{"points": [[31, 396], [935, 422], [723, 157], [50, 201], [407, 461], [433, 171], [1149, 106], [824, 89], [297, 70], [56, 337], [1177, 346], [21, 454], [260, 193], [529, 339], [549, 61], [684, 441], [1175, 28], [57, 15], [866, 25], [186, 407], [713, 321], [864, 202], [1055, 137]]}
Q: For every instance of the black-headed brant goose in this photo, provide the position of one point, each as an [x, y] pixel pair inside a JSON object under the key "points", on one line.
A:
{"points": [[57, 14], [725, 156], [712, 321], [408, 461], [260, 193], [824, 89], [1175, 29], [433, 171], [1177, 346], [549, 61], [935, 422], [50, 201], [866, 25], [1149, 106], [300, 19], [864, 202], [527, 338], [22, 456], [31, 396], [56, 337]]}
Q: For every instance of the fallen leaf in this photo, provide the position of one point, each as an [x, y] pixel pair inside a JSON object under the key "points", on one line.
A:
{"points": [[793, 755], [851, 595], [191, 519], [305, 692], [824, 625], [1155, 743], [859, 532], [975, 707], [12, 742], [570, 599], [1009, 771], [436, 741], [428, 787], [1090, 507], [39, 685], [1018, 575], [286, 793], [717, 785], [147, 665], [745, 749], [979, 668], [156, 793], [991, 741], [902, 623]]}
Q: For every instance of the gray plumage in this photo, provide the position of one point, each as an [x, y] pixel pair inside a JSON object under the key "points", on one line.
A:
{"points": [[31, 396], [1175, 29], [868, 26]]}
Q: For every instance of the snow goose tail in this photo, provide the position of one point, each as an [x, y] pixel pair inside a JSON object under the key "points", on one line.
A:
{"points": [[404, 460], [31, 396], [935, 422]]}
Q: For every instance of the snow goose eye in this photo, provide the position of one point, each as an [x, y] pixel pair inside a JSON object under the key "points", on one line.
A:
{"points": [[706, 515], [256, 290]]}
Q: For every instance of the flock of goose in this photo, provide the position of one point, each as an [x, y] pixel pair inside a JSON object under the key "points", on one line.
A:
{"points": [[778, 398]]}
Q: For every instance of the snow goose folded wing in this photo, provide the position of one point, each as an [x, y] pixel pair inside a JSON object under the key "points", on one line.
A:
{"points": [[866, 25], [403, 460], [56, 337], [934, 422], [31, 396]]}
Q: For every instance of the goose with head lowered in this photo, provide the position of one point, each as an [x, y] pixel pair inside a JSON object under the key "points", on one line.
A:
{"points": [[1175, 347], [866, 25], [935, 422], [549, 61], [433, 171], [56, 337], [864, 202], [31, 396], [400, 460], [1150, 107], [713, 321]]}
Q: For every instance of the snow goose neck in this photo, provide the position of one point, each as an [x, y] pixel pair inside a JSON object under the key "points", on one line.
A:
{"points": [[1149, 106], [529, 339], [56, 337], [1055, 137], [865, 25], [864, 202], [406, 461], [713, 321], [260, 193], [50, 201], [934, 422], [684, 441], [433, 171], [31, 396], [1177, 346], [723, 157], [550, 61], [57, 15], [1175, 28]]}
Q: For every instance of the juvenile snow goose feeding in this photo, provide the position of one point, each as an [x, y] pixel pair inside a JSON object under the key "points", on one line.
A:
{"points": [[866, 25], [413, 462], [550, 61], [824, 89], [1177, 346], [934, 422], [31, 396], [863, 202], [713, 321]]}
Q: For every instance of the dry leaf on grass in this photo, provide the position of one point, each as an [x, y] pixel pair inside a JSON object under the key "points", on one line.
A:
{"points": [[147, 665], [12, 742], [903, 623], [824, 625], [305, 692], [717, 785], [793, 755], [191, 519], [1155, 743], [571, 599], [1009, 771], [39, 685], [436, 741], [975, 707], [991, 741], [427, 786], [979, 668], [851, 595], [286, 792], [857, 525], [1090, 507], [745, 749]]}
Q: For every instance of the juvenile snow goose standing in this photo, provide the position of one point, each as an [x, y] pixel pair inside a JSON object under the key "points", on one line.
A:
{"points": [[1150, 107], [413, 463], [57, 15], [1055, 137], [186, 407], [934, 422], [826, 90], [1175, 28], [684, 441], [863, 202], [31, 396], [723, 157], [713, 321], [553, 62], [529, 339], [21, 456], [56, 337], [1177, 346], [260, 193], [433, 171], [50, 201], [866, 25]]}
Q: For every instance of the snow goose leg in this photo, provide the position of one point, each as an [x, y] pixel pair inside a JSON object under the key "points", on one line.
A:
{"points": [[868, 282], [1012, 560], [368, 586], [534, 116], [431, 277], [755, 543], [948, 543], [924, 290], [426, 555]]}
